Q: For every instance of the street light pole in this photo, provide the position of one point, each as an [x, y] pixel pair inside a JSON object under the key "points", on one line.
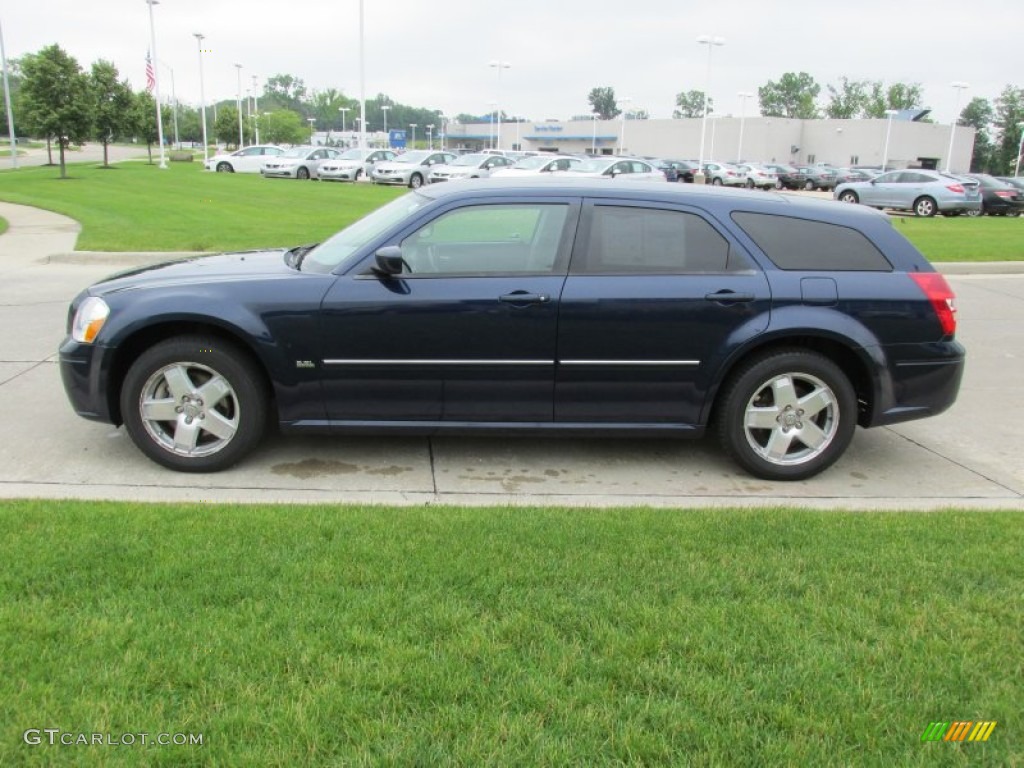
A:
{"points": [[1020, 149], [593, 138], [156, 84], [888, 131], [710, 42], [202, 94], [255, 110], [311, 121], [622, 131], [430, 137], [238, 104], [7, 103], [956, 116], [343, 110], [362, 80], [413, 126], [743, 114], [384, 108], [499, 65], [174, 103]]}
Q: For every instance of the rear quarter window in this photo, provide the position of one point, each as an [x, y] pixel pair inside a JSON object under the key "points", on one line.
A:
{"points": [[802, 244]]}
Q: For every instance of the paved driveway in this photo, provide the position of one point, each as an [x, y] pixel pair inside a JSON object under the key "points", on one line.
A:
{"points": [[970, 456]]}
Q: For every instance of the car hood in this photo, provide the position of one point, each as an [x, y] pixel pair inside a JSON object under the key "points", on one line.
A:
{"points": [[244, 265]]}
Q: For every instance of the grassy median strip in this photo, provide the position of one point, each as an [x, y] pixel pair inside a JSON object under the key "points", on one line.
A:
{"points": [[135, 206], [439, 635]]}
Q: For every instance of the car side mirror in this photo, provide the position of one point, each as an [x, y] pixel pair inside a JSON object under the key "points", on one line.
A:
{"points": [[388, 261]]}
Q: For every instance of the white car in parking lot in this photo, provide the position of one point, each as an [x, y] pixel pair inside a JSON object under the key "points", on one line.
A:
{"points": [[475, 166], [536, 164], [245, 160], [629, 169], [298, 163], [353, 164]]}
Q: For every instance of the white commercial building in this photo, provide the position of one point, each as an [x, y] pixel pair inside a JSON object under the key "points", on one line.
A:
{"points": [[764, 139]]}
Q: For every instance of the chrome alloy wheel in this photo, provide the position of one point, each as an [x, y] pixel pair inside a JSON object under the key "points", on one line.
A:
{"points": [[189, 409], [791, 419]]}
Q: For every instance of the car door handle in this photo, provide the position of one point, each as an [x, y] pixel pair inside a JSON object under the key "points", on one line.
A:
{"points": [[729, 297], [524, 298]]}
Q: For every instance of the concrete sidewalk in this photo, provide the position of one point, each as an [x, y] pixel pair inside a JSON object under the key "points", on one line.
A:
{"points": [[967, 457]]}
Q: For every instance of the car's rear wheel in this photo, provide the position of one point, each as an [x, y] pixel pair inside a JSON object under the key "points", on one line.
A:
{"points": [[716, 182], [302, 173], [925, 206], [194, 403], [415, 181], [787, 415], [975, 212], [224, 167], [809, 185], [358, 175], [849, 196]]}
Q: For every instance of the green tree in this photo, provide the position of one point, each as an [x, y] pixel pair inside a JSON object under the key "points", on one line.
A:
{"points": [[691, 104], [282, 126], [978, 114], [226, 126], [1009, 123], [792, 96], [56, 98], [602, 100], [896, 96], [112, 104], [848, 100], [285, 92], [143, 120]]}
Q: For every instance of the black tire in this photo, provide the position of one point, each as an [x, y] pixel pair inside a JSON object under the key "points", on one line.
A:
{"points": [[809, 185], [779, 389], [359, 174], [716, 182], [224, 167], [849, 196], [925, 207], [194, 380], [750, 184], [975, 213], [415, 181], [302, 173]]}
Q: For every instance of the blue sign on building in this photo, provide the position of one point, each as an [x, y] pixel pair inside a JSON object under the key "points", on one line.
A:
{"points": [[396, 139]]}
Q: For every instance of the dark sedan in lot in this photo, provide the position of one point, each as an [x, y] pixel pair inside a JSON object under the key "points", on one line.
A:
{"points": [[998, 197], [572, 307]]}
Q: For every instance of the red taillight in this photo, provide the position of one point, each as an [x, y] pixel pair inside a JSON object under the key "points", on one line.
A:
{"points": [[941, 296], [1005, 194], [958, 188]]}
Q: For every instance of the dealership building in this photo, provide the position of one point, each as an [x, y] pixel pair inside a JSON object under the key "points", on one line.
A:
{"points": [[900, 142]]}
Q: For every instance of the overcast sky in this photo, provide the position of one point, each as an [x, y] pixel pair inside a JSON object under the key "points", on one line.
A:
{"points": [[436, 54]]}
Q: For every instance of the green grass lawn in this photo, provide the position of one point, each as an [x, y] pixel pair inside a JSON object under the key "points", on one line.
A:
{"points": [[294, 636], [136, 206]]}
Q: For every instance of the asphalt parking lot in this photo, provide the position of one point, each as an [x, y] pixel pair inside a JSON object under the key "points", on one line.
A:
{"points": [[970, 456]]}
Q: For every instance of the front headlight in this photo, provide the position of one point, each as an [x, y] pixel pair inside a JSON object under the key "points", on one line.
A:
{"points": [[90, 317]]}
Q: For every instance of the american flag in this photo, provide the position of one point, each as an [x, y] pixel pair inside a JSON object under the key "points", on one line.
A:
{"points": [[150, 75]]}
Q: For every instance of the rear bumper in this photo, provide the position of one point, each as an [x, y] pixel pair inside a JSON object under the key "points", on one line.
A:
{"points": [[924, 381]]}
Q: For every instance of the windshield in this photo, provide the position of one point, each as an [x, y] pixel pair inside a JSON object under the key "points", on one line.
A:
{"points": [[414, 158], [334, 251], [352, 154], [532, 163], [469, 160], [294, 151], [593, 165]]}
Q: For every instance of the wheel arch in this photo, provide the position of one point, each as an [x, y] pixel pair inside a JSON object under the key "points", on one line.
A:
{"points": [[854, 360], [141, 339]]}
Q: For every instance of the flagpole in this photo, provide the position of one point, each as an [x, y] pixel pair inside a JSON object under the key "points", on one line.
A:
{"points": [[156, 81]]}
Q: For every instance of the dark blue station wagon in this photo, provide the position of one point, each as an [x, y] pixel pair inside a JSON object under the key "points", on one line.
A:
{"points": [[508, 306]]}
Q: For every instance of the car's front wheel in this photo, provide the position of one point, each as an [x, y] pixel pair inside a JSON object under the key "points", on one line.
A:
{"points": [[302, 173], [415, 181], [716, 182], [194, 403], [787, 415], [849, 196], [224, 167], [809, 185]]}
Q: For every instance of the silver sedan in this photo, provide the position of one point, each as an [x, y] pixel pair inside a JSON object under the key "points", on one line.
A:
{"points": [[297, 163], [921, 191], [615, 168], [353, 164], [475, 166], [411, 169]]}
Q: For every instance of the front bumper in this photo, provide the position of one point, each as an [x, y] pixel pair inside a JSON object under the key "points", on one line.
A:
{"points": [[341, 174], [391, 178], [85, 371]]}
